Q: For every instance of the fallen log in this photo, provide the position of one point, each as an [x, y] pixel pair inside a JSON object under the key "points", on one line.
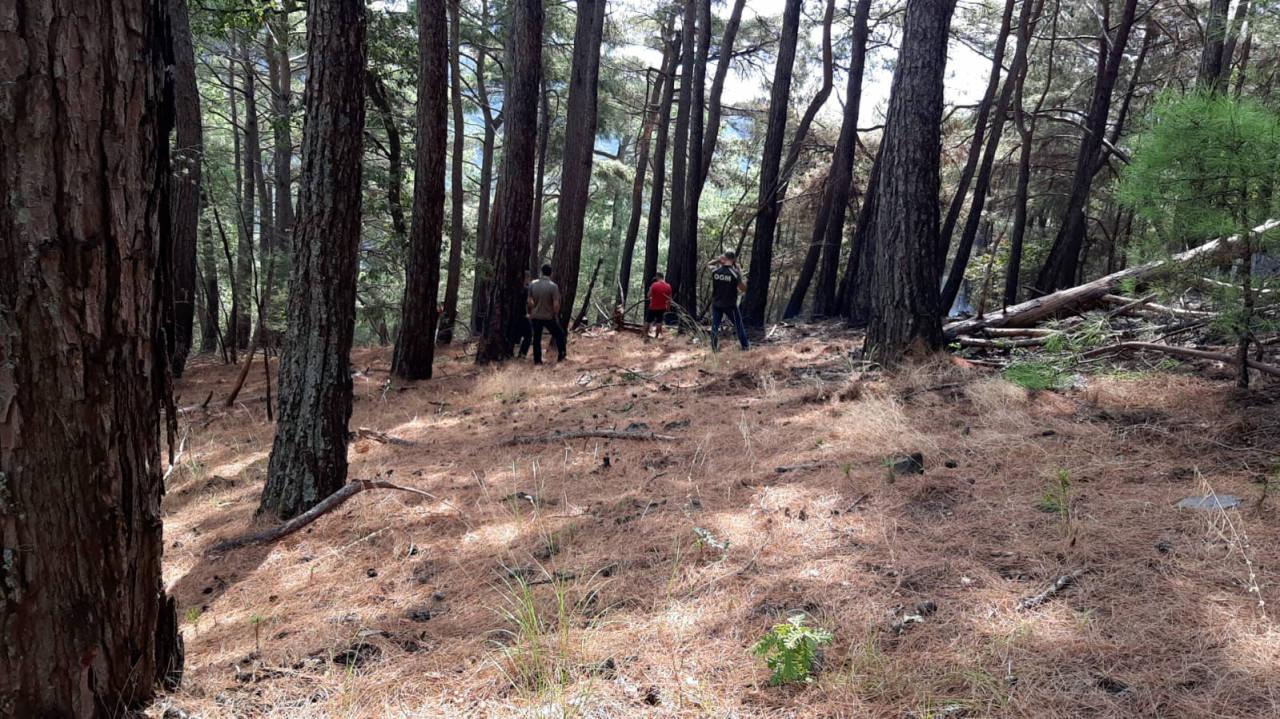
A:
{"points": [[326, 505], [1075, 298], [1000, 343], [1180, 352], [1145, 304], [1054, 589], [590, 433], [383, 437], [1019, 332]]}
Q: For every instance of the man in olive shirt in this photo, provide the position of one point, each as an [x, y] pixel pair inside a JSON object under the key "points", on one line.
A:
{"points": [[544, 311]]}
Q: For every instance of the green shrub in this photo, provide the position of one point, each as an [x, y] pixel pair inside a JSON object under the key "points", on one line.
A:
{"points": [[790, 649]]}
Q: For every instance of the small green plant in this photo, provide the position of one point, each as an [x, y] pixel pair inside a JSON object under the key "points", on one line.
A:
{"points": [[192, 615], [1056, 498], [256, 621], [790, 649], [1034, 375]]}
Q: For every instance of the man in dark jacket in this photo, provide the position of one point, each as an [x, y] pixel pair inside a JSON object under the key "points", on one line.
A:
{"points": [[726, 285]]}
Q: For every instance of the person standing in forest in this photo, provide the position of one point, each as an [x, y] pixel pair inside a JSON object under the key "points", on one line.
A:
{"points": [[521, 329], [544, 311], [659, 306], [726, 285]]}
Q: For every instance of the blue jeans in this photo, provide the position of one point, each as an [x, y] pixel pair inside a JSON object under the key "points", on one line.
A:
{"points": [[734, 316]]}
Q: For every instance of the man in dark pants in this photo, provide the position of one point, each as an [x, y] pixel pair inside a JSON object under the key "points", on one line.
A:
{"points": [[726, 285], [521, 331], [659, 305], [544, 313]]}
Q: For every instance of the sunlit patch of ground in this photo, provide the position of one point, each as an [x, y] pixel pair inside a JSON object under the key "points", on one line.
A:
{"points": [[399, 605]]}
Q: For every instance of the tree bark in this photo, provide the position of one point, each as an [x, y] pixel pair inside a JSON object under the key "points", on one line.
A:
{"points": [[283, 131], [757, 297], [685, 291], [540, 178], [828, 225], [509, 250], [309, 456], [579, 150], [1211, 70], [209, 334], [458, 199], [905, 318], [395, 157], [252, 168], [416, 339], [480, 288], [85, 243], [855, 289], [983, 184], [653, 231], [1060, 268], [188, 158], [676, 271]]}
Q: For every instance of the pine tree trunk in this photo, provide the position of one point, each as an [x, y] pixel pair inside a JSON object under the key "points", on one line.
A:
{"points": [[757, 297], [188, 157], [85, 626], [1026, 124], [209, 335], [483, 274], [416, 339], [509, 249], [653, 231], [579, 150], [712, 136], [309, 457], [395, 157], [855, 288], [1061, 266], [283, 131], [677, 273], [828, 226], [252, 168], [905, 317], [540, 181], [1211, 70], [686, 293], [458, 197]]}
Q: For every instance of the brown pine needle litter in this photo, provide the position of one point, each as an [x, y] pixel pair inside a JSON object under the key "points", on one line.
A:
{"points": [[566, 578]]}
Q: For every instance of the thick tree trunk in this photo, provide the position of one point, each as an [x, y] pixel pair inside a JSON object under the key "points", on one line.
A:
{"points": [[828, 226], [416, 339], [976, 142], [188, 158], [905, 317], [686, 292], [579, 150], [653, 232], [677, 273], [757, 297], [458, 200], [1211, 70], [309, 457], [983, 185], [85, 626], [509, 249], [1060, 268], [650, 119]]}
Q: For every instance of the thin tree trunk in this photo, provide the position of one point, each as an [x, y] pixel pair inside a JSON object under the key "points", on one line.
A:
{"points": [[188, 159], [757, 296], [480, 288], [209, 275], [855, 289], [828, 226], [540, 178], [85, 244], [458, 201], [983, 184], [509, 255], [377, 90], [1209, 74], [979, 132], [579, 150], [238, 328], [905, 318], [653, 232], [677, 274], [249, 196], [416, 338], [1060, 268], [309, 456]]}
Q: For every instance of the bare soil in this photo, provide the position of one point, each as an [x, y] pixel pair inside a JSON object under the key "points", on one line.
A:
{"points": [[400, 606]]}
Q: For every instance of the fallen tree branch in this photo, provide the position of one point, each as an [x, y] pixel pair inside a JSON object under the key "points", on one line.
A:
{"points": [[1054, 590], [587, 433], [1180, 352], [1145, 304], [326, 505], [1075, 298], [383, 437], [589, 390], [1000, 344]]}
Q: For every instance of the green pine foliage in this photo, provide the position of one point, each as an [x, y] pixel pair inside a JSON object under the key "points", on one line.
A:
{"points": [[790, 649]]}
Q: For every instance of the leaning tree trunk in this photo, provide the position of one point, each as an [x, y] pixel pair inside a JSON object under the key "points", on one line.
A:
{"points": [[1061, 267], [457, 194], [579, 148], [714, 107], [416, 339], [904, 287], [509, 233], [309, 457], [828, 226], [757, 297], [188, 157], [653, 232], [85, 626]]}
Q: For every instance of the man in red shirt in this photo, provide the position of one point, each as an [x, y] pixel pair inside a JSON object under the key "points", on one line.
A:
{"points": [[659, 306]]}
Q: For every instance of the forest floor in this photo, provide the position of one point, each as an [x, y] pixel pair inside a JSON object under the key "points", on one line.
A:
{"points": [[626, 578]]}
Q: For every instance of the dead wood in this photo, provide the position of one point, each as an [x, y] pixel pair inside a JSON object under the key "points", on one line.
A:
{"points": [[1000, 343], [1054, 590], [589, 433], [383, 437], [326, 505], [1180, 352], [1073, 299], [1146, 306]]}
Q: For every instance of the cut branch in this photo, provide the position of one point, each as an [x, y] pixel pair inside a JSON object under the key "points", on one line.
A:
{"points": [[1181, 352], [588, 433]]}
